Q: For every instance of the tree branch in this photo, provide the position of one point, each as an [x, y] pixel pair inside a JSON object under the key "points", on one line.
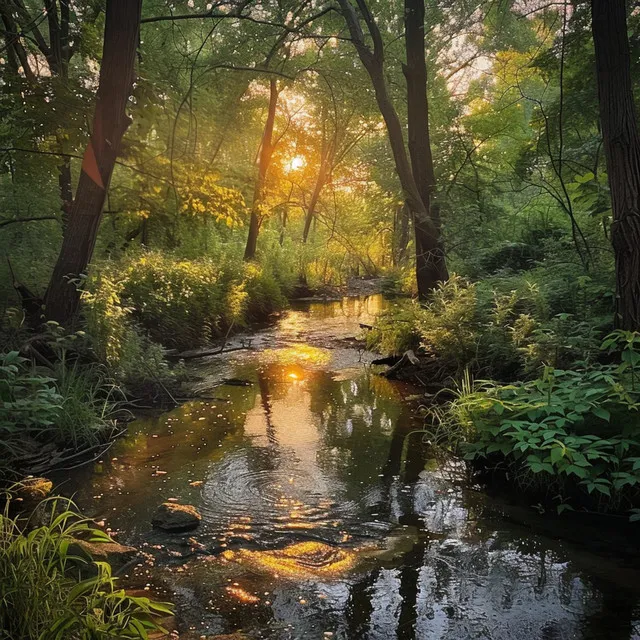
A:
{"points": [[4, 223]]}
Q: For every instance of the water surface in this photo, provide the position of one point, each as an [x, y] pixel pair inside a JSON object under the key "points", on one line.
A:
{"points": [[323, 515]]}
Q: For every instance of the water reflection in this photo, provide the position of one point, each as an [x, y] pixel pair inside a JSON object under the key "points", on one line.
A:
{"points": [[319, 516]]}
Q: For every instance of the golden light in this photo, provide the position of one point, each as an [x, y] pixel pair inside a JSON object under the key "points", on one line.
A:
{"points": [[293, 357], [298, 561], [297, 162], [242, 595], [293, 373]]}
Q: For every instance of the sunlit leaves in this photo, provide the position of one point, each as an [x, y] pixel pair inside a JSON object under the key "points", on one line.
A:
{"points": [[203, 197]]}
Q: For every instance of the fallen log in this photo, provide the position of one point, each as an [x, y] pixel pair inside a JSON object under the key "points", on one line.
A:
{"points": [[389, 360], [189, 355], [408, 359]]}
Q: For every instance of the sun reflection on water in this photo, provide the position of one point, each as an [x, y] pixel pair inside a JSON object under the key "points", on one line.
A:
{"points": [[301, 560], [300, 354]]}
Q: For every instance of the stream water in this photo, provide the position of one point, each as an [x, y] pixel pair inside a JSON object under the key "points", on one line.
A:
{"points": [[323, 517]]}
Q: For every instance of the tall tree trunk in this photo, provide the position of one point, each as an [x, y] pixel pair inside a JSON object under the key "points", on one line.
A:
{"points": [[422, 224], [327, 159], [622, 150], [109, 124], [429, 252], [373, 62], [264, 162]]}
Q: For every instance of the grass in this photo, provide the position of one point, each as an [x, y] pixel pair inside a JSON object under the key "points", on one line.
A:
{"points": [[42, 596], [69, 405]]}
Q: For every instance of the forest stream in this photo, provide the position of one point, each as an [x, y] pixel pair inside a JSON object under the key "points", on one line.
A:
{"points": [[323, 515]]}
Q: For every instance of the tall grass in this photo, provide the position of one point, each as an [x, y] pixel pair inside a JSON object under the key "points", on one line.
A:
{"points": [[69, 405], [41, 594]]}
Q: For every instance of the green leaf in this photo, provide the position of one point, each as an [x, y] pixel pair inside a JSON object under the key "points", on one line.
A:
{"points": [[601, 413], [556, 454]]}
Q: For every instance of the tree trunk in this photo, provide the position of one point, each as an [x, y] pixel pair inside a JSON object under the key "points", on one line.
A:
{"points": [[373, 62], [430, 259], [315, 197], [109, 124], [422, 224], [622, 150], [402, 229], [264, 162], [283, 226]]}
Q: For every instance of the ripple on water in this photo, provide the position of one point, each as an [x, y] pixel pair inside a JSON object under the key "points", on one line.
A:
{"points": [[262, 504]]}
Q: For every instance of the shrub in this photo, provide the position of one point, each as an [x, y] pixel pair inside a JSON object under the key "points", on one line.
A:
{"points": [[182, 303], [178, 303], [29, 404], [41, 593], [503, 329], [449, 325], [69, 405], [395, 329], [569, 436], [264, 293]]}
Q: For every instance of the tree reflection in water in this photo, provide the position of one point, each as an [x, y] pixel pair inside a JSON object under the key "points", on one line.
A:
{"points": [[320, 517]]}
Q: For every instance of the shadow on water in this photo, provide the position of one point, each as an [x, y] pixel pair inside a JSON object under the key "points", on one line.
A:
{"points": [[320, 519]]}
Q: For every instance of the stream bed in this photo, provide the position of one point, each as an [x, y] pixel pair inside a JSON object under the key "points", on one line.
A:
{"points": [[323, 516]]}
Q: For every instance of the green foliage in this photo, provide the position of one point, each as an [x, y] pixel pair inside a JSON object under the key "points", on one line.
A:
{"points": [[203, 196], [502, 327], [68, 405], [29, 403], [264, 292], [179, 303], [42, 596], [395, 329], [571, 436], [448, 324]]}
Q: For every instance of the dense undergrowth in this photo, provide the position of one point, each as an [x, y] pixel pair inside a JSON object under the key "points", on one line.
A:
{"points": [[501, 327], [44, 594], [63, 390], [176, 302], [545, 393], [55, 405]]}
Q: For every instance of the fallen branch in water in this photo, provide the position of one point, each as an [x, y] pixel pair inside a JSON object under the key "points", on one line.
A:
{"points": [[190, 355], [409, 358]]}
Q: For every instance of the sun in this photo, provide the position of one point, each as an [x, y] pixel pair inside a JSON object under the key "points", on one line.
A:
{"points": [[297, 162]]}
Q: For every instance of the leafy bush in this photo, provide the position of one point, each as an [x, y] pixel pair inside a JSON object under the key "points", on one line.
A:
{"points": [[449, 324], [395, 329], [69, 405], [572, 436], [492, 329], [41, 593], [182, 302], [264, 293], [178, 303], [29, 404]]}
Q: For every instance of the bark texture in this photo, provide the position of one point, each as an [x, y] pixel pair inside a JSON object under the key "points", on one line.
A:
{"points": [[622, 150], [264, 162], [430, 258], [428, 251], [109, 125], [321, 181]]}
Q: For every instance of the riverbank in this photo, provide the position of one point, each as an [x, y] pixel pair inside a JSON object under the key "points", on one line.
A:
{"points": [[319, 514]]}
